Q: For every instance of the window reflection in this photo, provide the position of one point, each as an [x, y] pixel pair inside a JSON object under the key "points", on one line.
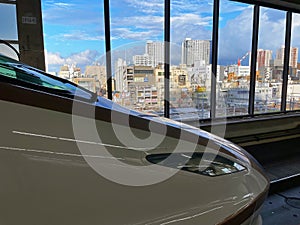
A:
{"points": [[138, 54], [138, 58], [73, 37], [8, 22], [7, 51], [293, 89], [191, 36], [233, 76], [270, 59]]}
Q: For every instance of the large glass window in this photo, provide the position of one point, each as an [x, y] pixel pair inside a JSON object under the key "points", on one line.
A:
{"points": [[233, 74], [8, 22], [8, 32], [138, 53], [190, 76], [270, 58], [19, 73], [293, 89], [74, 41]]}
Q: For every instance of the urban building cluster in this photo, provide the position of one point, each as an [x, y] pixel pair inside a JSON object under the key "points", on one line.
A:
{"points": [[93, 79], [140, 85]]}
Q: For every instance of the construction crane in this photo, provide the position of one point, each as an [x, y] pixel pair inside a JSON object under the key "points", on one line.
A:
{"points": [[241, 59]]}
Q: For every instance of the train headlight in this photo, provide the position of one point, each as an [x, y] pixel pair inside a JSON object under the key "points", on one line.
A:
{"points": [[207, 164]]}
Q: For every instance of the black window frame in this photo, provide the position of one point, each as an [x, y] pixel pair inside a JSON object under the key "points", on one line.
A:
{"points": [[10, 43], [288, 7]]}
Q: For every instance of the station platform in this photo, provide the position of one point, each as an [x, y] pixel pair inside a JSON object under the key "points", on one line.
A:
{"points": [[281, 161], [282, 207]]}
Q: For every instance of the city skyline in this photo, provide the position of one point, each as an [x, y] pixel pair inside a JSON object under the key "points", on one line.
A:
{"points": [[198, 55], [140, 85]]}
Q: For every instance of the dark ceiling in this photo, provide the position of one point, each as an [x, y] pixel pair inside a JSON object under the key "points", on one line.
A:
{"points": [[288, 5]]}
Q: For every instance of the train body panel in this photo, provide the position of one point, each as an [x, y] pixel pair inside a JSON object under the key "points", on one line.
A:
{"points": [[75, 161]]}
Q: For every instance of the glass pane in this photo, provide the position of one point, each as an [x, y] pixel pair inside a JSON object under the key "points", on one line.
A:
{"points": [[74, 42], [138, 53], [191, 35], [8, 22], [26, 74], [233, 74], [270, 57], [293, 90]]}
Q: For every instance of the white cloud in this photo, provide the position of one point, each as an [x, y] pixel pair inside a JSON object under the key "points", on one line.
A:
{"points": [[143, 21], [134, 20], [63, 5], [296, 20], [149, 7], [236, 36], [190, 18], [190, 25], [77, 13], [81, 59], [127, 33], [54, 59], [151, 27], [296, 31], [191, 6], [79, 35]]}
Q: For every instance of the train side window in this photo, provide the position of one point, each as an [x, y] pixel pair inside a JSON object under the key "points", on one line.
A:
{"points": [[15, 72], [8, 72]]}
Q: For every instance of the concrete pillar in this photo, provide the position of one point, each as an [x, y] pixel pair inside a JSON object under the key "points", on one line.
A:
{"points": [[30, 33]]}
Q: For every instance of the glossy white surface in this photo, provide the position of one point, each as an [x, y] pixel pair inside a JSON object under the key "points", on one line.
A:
{"points": [[46, 180]]}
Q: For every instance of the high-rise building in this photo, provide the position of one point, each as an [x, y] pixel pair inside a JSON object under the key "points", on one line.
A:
{"points": [[293, 56], [263, 58], [120, 75], [143, 60], [155, 50], [280, 54], [99, 74], [194, 51]]}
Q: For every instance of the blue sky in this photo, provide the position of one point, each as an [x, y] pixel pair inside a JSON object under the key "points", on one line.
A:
{"points": [[74, 30]]}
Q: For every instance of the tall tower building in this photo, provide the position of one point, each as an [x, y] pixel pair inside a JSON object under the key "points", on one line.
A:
{"points": [[263, 58], [155, 50], [280, 54], [293, 56], [195, 50], [120, 75]]}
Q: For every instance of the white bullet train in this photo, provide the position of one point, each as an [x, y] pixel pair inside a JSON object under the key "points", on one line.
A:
{"points": [[68, 156]]}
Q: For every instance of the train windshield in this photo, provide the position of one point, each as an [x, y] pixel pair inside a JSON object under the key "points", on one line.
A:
{"points": [[19, 73]]}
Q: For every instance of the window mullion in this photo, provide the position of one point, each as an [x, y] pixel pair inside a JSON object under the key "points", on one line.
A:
{"points": [[108, 48], [286, 60], [215, 38], [167, 20], [253, 59]]}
